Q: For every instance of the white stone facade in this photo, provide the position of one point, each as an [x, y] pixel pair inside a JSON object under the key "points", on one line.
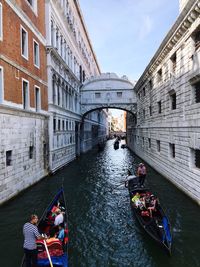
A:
{"points": [[70, 60], [166, 132], [23, 150]]}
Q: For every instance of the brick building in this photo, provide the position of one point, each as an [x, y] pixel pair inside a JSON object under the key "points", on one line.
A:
{"points": [[23, 95]]}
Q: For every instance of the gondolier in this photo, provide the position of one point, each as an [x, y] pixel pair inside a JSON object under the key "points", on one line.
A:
{"points": [[141, 173], [31, 234]]}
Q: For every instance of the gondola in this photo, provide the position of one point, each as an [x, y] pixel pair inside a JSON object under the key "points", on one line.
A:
{"points": [[116, 144], [57, 251], [155, 223]]}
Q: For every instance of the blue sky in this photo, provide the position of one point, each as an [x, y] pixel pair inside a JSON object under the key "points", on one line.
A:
{"points": [[125, 34]]}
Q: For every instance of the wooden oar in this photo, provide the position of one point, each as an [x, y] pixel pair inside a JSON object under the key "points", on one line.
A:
{"points": [[49, 257]]}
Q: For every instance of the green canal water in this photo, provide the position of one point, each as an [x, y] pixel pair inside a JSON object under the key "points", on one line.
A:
{"points": [[103, 232]]}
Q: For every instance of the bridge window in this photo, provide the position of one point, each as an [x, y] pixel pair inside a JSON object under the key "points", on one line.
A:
{"points": [[119, 94], [97, 95]]}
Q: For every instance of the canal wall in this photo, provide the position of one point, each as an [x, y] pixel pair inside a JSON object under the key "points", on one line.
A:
{"points": [[23, 150]]}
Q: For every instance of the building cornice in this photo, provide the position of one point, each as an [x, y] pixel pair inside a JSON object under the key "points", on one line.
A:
{"points": [[186, 18], [86, 32], [22, 69]]}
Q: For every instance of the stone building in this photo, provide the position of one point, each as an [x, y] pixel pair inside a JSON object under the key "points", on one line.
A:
{"points": [[23, 96], [70, 61], [166, 131]]}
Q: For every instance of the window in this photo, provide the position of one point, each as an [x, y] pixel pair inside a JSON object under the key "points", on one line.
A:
{"points": [[159, 107], [144, 93], [63, 125], [159, 76], [143, 113], [24, 43], [173, 62], [9, 158], [25, 92], [158, 145], [36, 54], [31, 152], [150, 110], [197, 158], [1, 22], [119, 94], [58, 125], [172, 150], [1, 85], [149, 142], [197, 92], [37, 99], [196, 38], [97, 95], [173, 100], [33, 4], [54, 125]]}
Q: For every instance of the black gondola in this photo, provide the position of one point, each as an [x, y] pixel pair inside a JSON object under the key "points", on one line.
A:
{"points": [[116, 144], [58, 251], [155, 223]]}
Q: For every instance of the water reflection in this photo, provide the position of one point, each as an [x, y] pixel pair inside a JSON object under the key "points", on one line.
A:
{"points": [[103, 232]]}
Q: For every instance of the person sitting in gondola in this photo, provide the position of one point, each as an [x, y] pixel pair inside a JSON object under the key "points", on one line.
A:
{"points": [[59, 217], [54, 245], [136, 199], [61, 233], [152, 204]]}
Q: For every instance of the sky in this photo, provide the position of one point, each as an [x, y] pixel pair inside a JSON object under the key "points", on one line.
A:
{"points": [[125, 34]]}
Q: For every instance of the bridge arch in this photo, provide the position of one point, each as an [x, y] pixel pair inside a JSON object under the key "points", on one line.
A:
{"points": [[108, 91]]}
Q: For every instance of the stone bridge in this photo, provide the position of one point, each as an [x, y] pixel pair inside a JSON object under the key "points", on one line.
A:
{"points": [[108, 91]]}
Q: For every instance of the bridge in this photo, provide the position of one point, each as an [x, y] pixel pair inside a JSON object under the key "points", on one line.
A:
{"points": [[108, 91]]}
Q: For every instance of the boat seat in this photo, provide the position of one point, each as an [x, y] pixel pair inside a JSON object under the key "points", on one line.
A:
{"points": [[54, 248]]}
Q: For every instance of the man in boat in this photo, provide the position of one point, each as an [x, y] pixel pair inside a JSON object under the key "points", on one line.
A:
{"points": [[31, 234], [59, 217], [136, 199], [141, 173]]}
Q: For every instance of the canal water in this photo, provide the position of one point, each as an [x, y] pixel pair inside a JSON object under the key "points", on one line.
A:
{"points": [[103, 232]]}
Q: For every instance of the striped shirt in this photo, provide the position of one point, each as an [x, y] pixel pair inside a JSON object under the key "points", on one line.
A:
{"points": [[31, 233]]}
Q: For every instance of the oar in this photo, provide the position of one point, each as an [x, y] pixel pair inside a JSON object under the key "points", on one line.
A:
{"points": [[49, 257]]}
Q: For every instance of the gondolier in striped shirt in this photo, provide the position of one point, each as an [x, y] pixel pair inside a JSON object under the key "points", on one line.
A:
{"points": [[31, 234]]}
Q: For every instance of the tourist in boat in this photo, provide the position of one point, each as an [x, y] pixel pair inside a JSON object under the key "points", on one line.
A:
{"points": [[61, 234], [152, 206], [59, 217], [136, 199], [141, 173], [31, 234]]}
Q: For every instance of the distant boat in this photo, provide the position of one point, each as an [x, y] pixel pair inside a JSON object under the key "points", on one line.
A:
{"points": [[157, 226], [116, 144], [58, 251], [123, 146]]}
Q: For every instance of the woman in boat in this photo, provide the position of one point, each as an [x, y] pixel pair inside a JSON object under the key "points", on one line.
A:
{"points": [[153, 203]]}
